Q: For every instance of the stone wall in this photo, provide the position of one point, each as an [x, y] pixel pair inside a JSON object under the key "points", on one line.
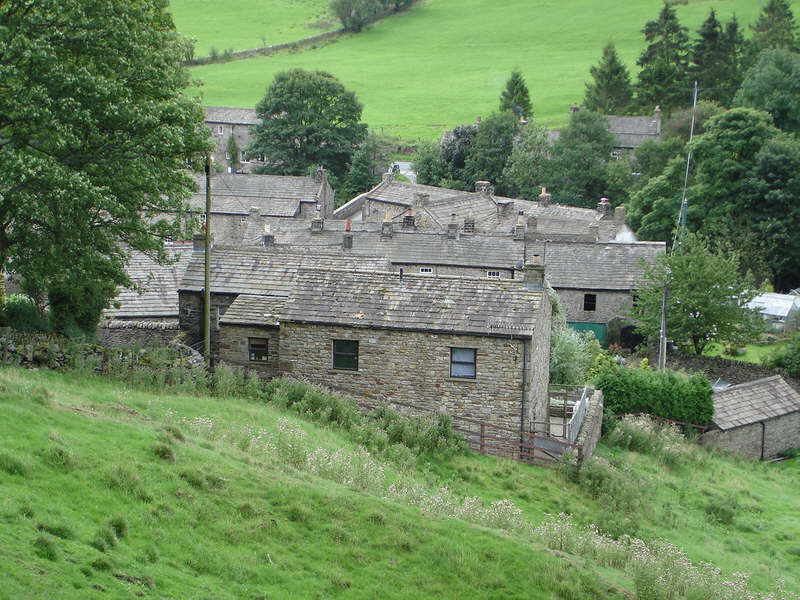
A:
{"points": [[778, 434], [413, 367], [241, 133], [609, 305], [726, 369], [191, 316], [539, 370], [233, 348], [592, 425], [142, 333]]}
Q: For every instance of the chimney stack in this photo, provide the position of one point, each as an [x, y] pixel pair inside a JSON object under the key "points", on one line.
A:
{"points": [[321, 174], [594, 231], [533, 273], [198, 243], [317, 223], [484, 188], [452, 227], [420, 199], [386, 226], [545, 198], [604, 207], [620, 214], [519, 228], [388, 177], [347, 241], [408, 220]]}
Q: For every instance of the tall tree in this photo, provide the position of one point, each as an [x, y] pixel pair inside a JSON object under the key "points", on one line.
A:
{"points": [[663, 78], [515, 97], [733, 45], [610, 92], [354, 14], [491, 148], [709, 56], [773, 85], [775, 28], [360, 174], [307, 118], [707, 299], [527, 167], [577, 173], [95, 133]]}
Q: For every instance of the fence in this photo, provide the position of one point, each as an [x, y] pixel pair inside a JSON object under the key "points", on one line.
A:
{"points": [[568, 402]]}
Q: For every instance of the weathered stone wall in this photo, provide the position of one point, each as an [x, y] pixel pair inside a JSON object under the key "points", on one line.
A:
{"points": [[539, 371], [191, 316], [243, 137], [233, 348], [779, 434], [143, 333], [609, 305], [412, 367], [592, 425], [474, 272], [726, 369]]}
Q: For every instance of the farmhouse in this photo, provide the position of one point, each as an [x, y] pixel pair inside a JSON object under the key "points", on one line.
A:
{"points": [[228, 124], [758, 419]]}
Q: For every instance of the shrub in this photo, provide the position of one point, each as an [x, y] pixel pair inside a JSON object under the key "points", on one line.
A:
{"points": [[60, 457], [787, 358], [14, 464], [124, 479], [666, 394], [21, 313], [119, 525], [45, 548], [164, 451], [104, 539], [59, 530]]}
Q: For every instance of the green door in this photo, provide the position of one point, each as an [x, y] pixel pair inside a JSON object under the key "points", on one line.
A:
{"points": [[599, 330]]}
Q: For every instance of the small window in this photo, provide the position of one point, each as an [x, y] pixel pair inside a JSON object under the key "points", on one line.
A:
{"points": [[345, 355], [227, 155], [462, 362], [469, 225], [589, 301], [257, 349], [244, 218], [243, 157], [493, 274], [203, 218], [426, 269], [220, 130]]}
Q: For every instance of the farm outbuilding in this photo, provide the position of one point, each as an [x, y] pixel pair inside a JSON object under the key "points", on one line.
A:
{"points": [[758, 419]]}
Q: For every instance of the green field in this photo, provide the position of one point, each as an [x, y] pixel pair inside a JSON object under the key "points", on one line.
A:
{"points": [[241, 25], [754, 353], [110, 492], [445, 62]]}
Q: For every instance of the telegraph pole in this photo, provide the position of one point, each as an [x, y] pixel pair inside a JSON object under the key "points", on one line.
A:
{"points": [[207, 268]]}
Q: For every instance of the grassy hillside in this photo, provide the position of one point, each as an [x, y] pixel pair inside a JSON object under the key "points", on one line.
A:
{"points": [[446, 61], [241, 24], [111, 492]]}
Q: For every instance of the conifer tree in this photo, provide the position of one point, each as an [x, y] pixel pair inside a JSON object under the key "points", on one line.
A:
{"points": [[515, 97], [708, 56], [663, 78], [775, 28], [733, 45], [610, 93]]}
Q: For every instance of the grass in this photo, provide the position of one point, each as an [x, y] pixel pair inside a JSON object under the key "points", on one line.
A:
{"points": [[445, 62], [261, 503], [754, 353], [241, 25]]}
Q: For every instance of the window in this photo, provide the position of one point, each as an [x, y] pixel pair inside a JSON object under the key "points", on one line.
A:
{"points": [[345, 355], [462, 362], [219, 130], [493, 274], [203, 218], [469, 225], [257, 349], [426, 269], [243, 157], [227, 155], [244, 218], [589, 301]]}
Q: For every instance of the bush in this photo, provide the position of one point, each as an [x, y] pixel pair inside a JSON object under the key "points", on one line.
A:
{"points": [[666, 394], [45, 548], [21, 313], [787, 358], [572, 354]]}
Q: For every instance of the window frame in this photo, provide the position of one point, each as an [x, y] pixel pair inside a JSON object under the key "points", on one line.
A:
{"points": [[343, 354], [220, 129], [473, 363], [492, 274], [252, 350], [590, 302], [426, 270]]}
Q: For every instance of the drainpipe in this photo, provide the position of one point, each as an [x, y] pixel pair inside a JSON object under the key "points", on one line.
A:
{"points": [[524, 372], [763, 437]]}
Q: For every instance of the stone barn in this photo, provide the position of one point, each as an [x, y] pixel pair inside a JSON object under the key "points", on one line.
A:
{"points": [[758, 419]]}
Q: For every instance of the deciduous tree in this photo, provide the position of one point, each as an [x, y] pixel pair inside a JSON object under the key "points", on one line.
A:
{"points": [[707, 298], [773, 85], [95, 133], [307, 118], [354, 14]]}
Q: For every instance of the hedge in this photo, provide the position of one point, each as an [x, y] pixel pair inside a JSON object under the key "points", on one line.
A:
{"points": [[667, 394]]}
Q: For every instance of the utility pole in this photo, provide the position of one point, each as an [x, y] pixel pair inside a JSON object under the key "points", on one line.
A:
{"points": [[207, 274], [662, 336]]}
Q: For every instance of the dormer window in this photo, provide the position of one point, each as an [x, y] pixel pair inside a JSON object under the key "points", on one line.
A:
{"points": [[469, 225]]}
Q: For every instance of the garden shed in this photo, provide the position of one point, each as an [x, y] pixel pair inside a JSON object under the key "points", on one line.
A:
{"points": [[758, 419]]}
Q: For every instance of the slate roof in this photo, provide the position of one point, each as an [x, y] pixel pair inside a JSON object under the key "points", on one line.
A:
{"points": [[274, 195], [158, 282], [606, 266], [753, 402], [632, 132], [254, 310], [236, 116], [419, 303], [256, 272]]}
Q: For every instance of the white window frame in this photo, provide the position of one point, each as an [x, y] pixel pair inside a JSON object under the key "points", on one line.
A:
{"points": [[426, 269], [492, 274], [220, 129]]}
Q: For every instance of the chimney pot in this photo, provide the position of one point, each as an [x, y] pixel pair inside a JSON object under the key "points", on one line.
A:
{"points": [[317, 224], [347, 241], [347, 224], [604, 207], [545, 198]]}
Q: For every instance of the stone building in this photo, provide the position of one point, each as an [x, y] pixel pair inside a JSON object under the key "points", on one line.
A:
{"points": [[631, 132], [147, 312], [236, 198], [231, 123], [758, 419], [430, 208]]}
